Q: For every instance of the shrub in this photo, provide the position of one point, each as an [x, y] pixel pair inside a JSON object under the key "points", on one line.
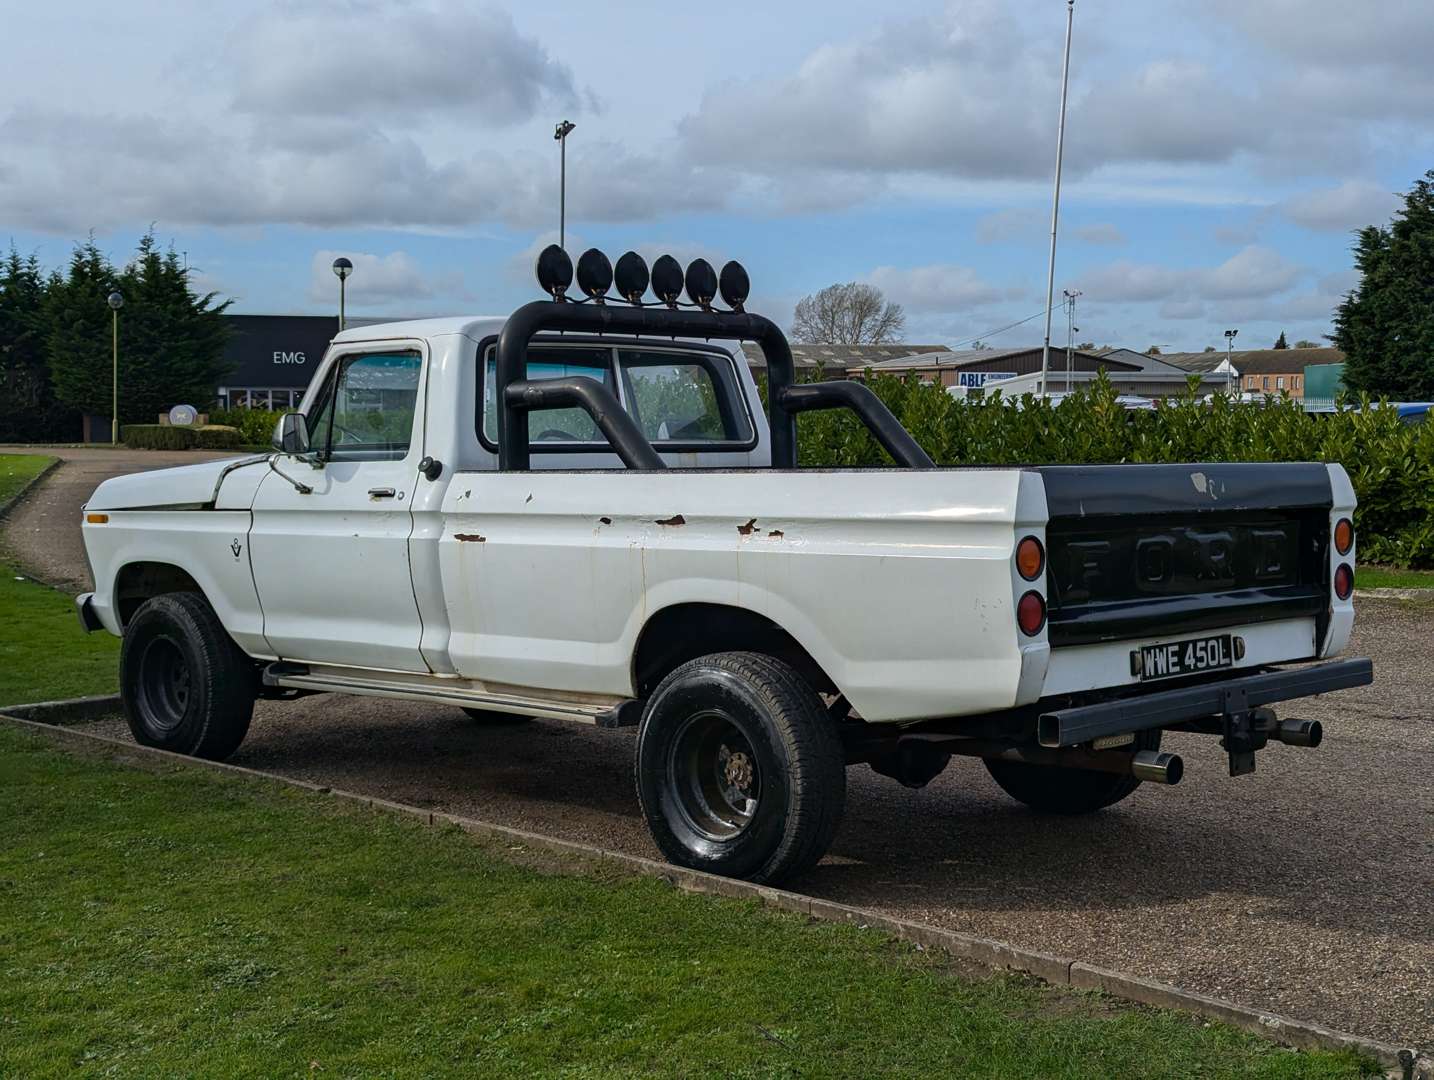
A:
{"points": [[218, 437], [1390, 464], [158, 437], [255, 426]]}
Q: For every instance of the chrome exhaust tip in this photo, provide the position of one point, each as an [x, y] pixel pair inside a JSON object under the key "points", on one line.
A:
{"points": [[1157, 767], [1300, 732]]}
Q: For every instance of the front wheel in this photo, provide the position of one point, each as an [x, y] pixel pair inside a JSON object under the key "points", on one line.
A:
{"points": [[186, 686], [740, 770], [1053, 790]]}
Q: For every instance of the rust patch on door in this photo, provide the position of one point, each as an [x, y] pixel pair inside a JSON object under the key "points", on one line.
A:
{"points": [[675, 519], [605, 520], [749, 528], [469, 538]]}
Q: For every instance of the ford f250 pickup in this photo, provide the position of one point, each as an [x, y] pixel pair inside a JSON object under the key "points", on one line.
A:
{"points": [[585, 511]]}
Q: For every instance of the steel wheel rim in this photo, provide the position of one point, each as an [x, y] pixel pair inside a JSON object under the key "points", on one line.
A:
{"points": [[714, 775], [165, 684]]}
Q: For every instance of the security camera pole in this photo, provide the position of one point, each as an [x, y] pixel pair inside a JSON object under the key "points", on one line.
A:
{"points": [[116, 301], [1229, 357], [561, 133], [1056, 198], [1071, 328], [342, 268]]}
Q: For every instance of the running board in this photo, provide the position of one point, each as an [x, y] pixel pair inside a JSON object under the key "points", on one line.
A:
{"points": [[605, 711]]}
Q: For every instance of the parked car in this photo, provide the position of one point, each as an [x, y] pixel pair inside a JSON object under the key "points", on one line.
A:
{"points": [[584, 512]]}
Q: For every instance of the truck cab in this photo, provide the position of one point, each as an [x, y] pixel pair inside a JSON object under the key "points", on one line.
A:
{"points": [[587, 511]]}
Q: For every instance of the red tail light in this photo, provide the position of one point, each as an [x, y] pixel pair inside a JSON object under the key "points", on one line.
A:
{"points": [[1343, 581], [1031, 613]]}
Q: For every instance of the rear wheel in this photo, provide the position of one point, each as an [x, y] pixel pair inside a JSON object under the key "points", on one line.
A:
{"points": [[740, 770], [1053, 790], [186, 686]]}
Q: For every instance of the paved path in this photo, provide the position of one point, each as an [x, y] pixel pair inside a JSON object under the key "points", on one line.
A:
{"points": [[43, 531], [1307, 888]]}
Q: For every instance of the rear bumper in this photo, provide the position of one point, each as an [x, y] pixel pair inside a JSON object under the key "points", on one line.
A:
{"points": [[85, 609], [1163, 708]]}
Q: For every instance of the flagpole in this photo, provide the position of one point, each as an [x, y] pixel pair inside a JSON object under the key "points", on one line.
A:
{"points": [[1056, 199]]}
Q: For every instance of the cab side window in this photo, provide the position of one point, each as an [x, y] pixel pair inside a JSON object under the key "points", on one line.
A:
{"points": [[366, 409]]}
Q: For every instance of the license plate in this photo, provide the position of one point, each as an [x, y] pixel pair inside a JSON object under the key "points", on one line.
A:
{"points": [[1186, 657]]}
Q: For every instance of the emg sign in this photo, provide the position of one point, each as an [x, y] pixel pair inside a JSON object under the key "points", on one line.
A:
{"points": [[281, 357], [976, 379]]}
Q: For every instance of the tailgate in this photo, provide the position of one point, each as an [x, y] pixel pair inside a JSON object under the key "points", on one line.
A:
{"points": [[1143, 551]]}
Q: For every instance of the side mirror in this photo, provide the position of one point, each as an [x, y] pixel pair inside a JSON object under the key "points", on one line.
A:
{"points": [[291, 434]]}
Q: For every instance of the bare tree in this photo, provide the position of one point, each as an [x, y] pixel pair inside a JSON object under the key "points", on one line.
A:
{"points": [[850, 314]]}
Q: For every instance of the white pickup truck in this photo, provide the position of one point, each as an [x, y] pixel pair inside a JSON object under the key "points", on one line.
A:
{"points": [[585, 512]]}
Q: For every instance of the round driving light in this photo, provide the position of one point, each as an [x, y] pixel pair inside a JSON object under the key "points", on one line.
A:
{"points": [[1343, 536], [667, 280], [1030, 558], [701, 282], [734, 285], [594, 274], [1343, 581], [630, 274], [1031, 613], [554, 270]]}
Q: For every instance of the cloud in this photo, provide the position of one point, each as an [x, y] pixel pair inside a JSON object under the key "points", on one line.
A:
{"points": [[1014, 223], [1102, 233], [937, 288], [1252, 273], [377, 279], [363, 60], [1351, 205]]}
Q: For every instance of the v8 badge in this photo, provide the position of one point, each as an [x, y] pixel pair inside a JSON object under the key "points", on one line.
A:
{"points": [[236, 547]]}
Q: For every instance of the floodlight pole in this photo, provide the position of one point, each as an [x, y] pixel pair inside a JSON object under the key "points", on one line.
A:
{"points": [[1070, 295], [561, 133], [1056, 198]]}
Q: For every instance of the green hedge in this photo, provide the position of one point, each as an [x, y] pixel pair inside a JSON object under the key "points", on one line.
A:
{"points": [[255, 426], [171, 437], [1391, 464]]}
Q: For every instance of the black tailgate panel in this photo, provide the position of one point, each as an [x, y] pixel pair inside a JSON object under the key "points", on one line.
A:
{"points": [[1146, 550]]}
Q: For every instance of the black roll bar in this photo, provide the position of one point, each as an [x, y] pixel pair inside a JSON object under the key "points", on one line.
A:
{"points": [[860, 399], [586, 393], [782, 404]]}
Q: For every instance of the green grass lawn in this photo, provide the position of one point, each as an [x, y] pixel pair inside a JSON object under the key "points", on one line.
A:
{"points": [[167, 921], [43, 652], [1388, 577], [17, 471]]}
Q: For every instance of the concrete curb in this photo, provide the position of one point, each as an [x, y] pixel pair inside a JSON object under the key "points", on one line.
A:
{"points": [[1060, 971], [77, 709], [24, 492]]}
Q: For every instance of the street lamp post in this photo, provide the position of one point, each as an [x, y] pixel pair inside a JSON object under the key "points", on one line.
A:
{"points": [[561, 133], [1071, 328], [342, 268], [116, 301], [1229, 357]]}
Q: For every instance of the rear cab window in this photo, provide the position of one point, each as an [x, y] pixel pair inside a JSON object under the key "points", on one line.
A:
{"points": [[682, 399]]}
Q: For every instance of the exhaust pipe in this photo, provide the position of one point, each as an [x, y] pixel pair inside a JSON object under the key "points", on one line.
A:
{"points": [[1299, 732], [1157, 767]]}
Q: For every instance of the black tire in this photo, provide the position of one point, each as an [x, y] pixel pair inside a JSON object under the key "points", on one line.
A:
{"points": [[740, 770], [186, 686], [1050, 790], [488, 718]]}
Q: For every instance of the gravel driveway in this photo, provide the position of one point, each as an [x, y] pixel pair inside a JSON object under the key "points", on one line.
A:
{"points": [[1307, 888]]}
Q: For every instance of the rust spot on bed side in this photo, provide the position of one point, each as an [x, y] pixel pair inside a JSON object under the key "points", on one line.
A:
{"points": [[749, 528], [675, 519], [775, 534], [605, 520], [469, 538]]}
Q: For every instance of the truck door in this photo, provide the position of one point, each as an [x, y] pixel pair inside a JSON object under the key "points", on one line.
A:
{"points": [[331, 566]]}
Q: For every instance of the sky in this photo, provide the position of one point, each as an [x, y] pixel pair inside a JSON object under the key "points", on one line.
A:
{"points": [[1219, 153]]}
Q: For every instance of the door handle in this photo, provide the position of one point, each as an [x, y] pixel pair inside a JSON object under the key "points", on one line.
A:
{"points": [[380, 493]]}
